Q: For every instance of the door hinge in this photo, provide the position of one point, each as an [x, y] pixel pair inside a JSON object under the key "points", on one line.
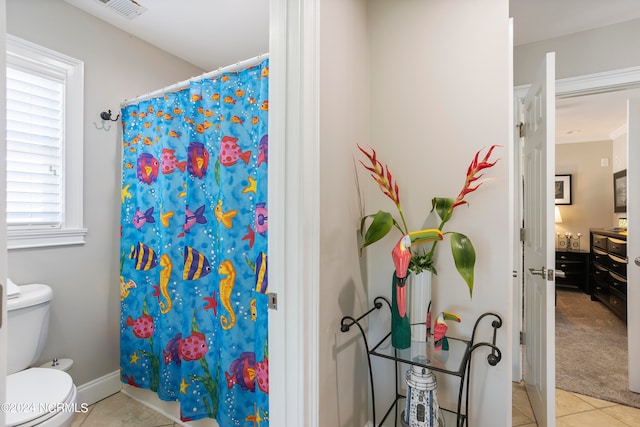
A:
{"points": [[521, 338], [273, 301], [521, 130], [522, 234]]}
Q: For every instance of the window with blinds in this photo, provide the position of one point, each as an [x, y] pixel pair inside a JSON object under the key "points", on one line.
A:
{"points": [[35, 135], [44, 143]]}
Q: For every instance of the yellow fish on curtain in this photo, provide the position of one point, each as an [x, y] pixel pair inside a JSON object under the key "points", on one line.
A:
{"points": [[193, 270]]}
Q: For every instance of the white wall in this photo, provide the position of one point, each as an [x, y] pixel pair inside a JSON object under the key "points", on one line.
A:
{"points": [[587, 52], [592, 188], [344, 122], [620, 162], [439, 93], [619, 153], [85, 279]]}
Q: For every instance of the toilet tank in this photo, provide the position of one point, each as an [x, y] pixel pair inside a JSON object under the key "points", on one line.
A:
{"points": [[27, 326]]}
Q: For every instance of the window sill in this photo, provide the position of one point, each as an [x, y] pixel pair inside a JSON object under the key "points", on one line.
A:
{"points": [[26, 239]]}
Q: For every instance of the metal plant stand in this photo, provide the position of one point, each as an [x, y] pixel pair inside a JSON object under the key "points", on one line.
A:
{"points": [[456, 361]]}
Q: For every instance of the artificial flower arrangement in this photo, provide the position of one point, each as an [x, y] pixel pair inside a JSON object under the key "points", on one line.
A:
{"points": [[382, 222]]}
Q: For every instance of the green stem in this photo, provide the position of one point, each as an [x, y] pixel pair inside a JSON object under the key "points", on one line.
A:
{"points": [[435, 242], [404, 222]]}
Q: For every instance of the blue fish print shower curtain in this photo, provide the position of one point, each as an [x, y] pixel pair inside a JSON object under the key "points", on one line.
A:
{"points": [[193, 252]]}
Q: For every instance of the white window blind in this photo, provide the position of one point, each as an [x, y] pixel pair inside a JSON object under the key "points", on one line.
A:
{"points": [[35, 157], [45, 110]]}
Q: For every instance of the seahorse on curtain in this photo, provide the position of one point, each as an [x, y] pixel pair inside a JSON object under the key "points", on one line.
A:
{"points": [[165, 274], [226, 287]]}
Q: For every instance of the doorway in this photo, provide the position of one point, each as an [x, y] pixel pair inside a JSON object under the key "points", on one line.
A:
{"points": [[591, 146], [574, 89]]}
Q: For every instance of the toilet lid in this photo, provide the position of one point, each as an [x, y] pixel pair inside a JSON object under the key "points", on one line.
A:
{"points": [[34, 393]]}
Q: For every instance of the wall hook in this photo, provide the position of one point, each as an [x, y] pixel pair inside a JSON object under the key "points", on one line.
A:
{"points": [[106, 115], [103, 127]]}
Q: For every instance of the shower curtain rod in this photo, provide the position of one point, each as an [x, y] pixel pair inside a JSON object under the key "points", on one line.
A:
{"points": [[209, 75]]}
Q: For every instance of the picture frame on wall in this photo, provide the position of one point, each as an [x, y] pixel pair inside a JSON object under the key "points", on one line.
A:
{"points": [[620, 191], [563, 190]]}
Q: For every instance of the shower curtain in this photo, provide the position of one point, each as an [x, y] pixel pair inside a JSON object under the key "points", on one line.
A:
{"points": [[193, 279]]}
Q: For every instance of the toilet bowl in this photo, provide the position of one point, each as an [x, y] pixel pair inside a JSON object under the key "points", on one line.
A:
{"points": [[35, 396]]}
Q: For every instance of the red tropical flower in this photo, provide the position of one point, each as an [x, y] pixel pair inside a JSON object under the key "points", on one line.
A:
{"points": [[474, 168], [382, 222]]}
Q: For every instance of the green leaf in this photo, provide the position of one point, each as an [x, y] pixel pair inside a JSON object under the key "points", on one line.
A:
{"points": [[442, 206], [464, 256], [380, 227]]}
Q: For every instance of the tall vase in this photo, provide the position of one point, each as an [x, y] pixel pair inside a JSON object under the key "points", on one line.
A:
{"points": [[400, 325], [420, 285]]}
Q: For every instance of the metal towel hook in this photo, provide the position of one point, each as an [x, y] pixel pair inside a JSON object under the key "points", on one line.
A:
{"points": [[106, 115]]}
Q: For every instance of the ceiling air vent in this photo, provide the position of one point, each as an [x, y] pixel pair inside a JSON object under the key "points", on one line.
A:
{"points": [[127, 8]]}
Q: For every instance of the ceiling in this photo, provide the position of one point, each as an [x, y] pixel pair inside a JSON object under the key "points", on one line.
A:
{"points": [[587, 118], [207, 33], [212, 34], [536, 20]]}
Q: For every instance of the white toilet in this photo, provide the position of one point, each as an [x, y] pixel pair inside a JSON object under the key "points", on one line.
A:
{"points": [[35, 396]]}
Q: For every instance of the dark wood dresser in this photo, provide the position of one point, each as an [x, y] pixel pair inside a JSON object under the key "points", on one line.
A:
{"points": [[572, 269], [608, 269]]}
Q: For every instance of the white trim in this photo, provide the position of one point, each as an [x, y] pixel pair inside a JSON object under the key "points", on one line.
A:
{"points": [[73, 231], [100, 388], [3, 223], [618, 132], [281, 382], [294, 208], [25, 239], [309, 233], [590, 84]]}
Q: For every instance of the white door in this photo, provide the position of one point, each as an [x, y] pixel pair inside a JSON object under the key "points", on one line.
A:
{"points": [[633, 241], [516, 368], [539, 258]]}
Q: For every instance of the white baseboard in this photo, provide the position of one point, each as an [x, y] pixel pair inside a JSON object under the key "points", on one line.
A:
{"points": [[100, 388]]}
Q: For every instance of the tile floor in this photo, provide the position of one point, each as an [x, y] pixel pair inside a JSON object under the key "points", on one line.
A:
{"points": [[119, 410], [575, 410], [572, 410]]}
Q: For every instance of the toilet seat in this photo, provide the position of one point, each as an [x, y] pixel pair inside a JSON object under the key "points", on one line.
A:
{"points": [[42, 390]]}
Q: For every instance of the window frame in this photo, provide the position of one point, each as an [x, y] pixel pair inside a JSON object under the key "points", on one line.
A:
{"points": [[21, 53]]}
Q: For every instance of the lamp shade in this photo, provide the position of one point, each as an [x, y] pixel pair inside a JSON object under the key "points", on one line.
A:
{"points": [[558, 216]]}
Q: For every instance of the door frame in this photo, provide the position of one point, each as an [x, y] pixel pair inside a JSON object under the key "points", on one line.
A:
{"points": [[633, 244], [293, 202], [3, 224], [588, 84]]}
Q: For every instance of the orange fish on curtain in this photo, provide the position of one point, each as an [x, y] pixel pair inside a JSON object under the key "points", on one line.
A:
{"points": [[194, 326]]}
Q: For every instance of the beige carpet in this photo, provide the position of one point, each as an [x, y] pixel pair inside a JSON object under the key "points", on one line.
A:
{"points": [[591, 349]]}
